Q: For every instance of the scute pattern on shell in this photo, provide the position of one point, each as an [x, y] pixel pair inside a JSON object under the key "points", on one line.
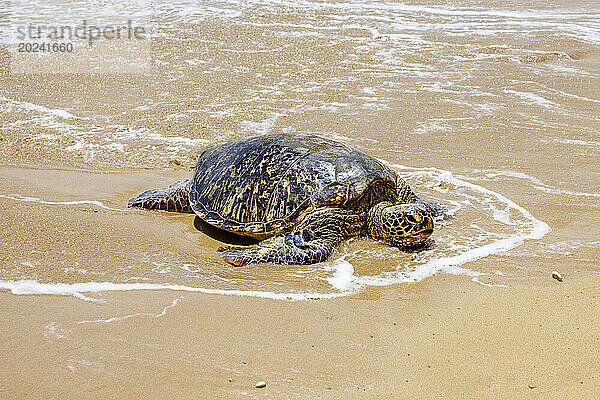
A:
{"points": [[262, 185]]}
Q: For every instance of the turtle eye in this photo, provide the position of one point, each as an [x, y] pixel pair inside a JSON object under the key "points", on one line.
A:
{"points": [[307, 235], [414, 218]]}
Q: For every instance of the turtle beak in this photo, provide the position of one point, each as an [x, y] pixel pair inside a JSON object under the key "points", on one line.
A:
{"points": [[422, 228], [419, 240], [420, 233], [425, 229]]}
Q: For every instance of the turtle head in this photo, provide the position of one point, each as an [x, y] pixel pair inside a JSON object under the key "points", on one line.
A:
{"points": [[403, 225]]}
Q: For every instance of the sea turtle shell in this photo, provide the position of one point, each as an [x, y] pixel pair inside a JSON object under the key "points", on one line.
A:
{"points": [[262, 185]]}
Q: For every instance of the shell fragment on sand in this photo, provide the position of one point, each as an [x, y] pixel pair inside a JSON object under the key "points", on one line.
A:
{"points": [[557, 276]]}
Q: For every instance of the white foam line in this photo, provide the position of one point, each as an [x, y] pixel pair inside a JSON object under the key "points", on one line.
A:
{"points": [[576, 141], [562, 14], [59, 203], [121, 132], [538, 184], [86, 298], [452, 264], [29, 287], [573, 95], [34, 107], [567, 192], [343, 278], [164, 311], [533, 98], [113, 319]]}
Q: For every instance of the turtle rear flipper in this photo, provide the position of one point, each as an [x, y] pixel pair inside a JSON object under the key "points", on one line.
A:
{"points": [[174, 198]]}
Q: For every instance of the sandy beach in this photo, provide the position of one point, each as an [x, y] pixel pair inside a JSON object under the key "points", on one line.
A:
{"points": [[451, 338], [488, 107]]}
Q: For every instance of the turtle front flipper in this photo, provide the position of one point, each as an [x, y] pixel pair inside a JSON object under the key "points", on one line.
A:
{"points": [[313, 240], [407, 196], [437, 210], [291, 248], [174, 198]]}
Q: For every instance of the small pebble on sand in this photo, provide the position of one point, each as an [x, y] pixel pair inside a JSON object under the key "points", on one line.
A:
{"points": [[557, 276], [261, 384]]}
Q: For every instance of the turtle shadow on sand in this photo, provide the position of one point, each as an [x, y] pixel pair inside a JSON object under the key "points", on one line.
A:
{"points": [[221, 235]]}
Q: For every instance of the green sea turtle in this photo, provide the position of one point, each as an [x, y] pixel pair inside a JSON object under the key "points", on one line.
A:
{"points": [[300, 195]]}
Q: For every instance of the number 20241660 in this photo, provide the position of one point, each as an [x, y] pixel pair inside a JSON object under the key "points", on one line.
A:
{"points": [[45, 47]]}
